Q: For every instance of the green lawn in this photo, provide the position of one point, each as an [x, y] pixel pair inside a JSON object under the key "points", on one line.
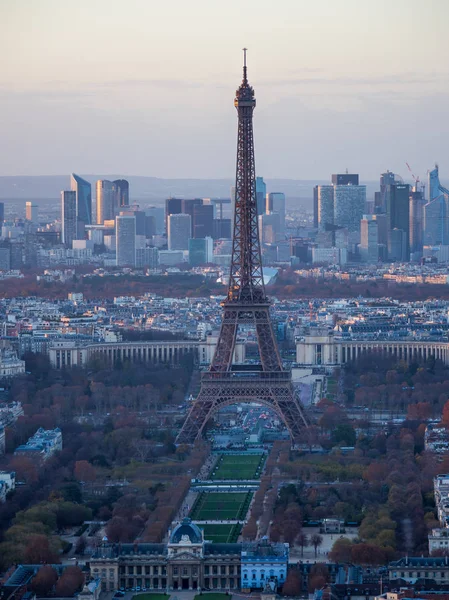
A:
{"points": [[221, 506], [212, 596], [238, 466], [149, 596], [220, 533]]}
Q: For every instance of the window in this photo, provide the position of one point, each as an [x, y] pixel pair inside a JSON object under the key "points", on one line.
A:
{"points": [[194, 570], [147, 570], [443, 574], [231, 570], [223, 583], [130, 570], [215, 570], [139, 570], [223, 570], [175, 570], [402, 574], [155, 570], [206, 570], [184, 570], [245, 575]]}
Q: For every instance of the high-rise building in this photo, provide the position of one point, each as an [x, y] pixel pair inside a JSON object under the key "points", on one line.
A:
{"points": [[203, 221], [387, 178], [398, 218], [83, 191], [147, 257], [188, 208], [121, 191], [222, 229], [159, 217], [436, 227], [398, 245], [325, 207], [261, 193], [179, 231], [125, 231], [32, 212], [349, 206], [2, 212], [275, 202], [106, 199], [416, 227], [68, 218], [315, 207], [173, 206], [345, 179], [269, 228], [200, 251], [5, 258], [369, 239]]}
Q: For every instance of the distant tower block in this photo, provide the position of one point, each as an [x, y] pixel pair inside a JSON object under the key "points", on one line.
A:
{"points": [[246, 303]]}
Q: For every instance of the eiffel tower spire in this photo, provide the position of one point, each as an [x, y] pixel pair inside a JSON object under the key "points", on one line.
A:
{"points": [[246, 304]]}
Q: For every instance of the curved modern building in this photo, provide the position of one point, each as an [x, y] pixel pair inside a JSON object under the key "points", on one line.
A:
{"points": [[121, 189]]}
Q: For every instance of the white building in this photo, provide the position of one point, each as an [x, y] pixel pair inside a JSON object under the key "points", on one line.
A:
{"points": [[10, 364], [42, 444], [7, 483], [32, 212]]}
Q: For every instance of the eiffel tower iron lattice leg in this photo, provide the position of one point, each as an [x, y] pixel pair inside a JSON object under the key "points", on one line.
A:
{"points": [[246, 304]]}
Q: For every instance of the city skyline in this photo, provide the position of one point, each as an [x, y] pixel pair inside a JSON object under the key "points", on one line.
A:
{"points": [[362, 83]]}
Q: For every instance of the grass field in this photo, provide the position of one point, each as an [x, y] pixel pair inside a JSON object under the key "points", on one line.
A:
{"points": [[238, 466], [213, 596], [154, 596], [221, 506], [220, 533]]}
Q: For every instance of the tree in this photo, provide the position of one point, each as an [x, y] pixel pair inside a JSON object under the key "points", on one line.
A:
{"points": [[345, 434], [367, 554], [316, 540], [341, 551], [293, 583], [70, 581], [39, 550], [319, 576], [44, 580], [303, 541], [84, 471], [81, 545]]}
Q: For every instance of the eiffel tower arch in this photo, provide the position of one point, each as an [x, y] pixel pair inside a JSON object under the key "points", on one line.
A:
{"points": [[246, 304]]}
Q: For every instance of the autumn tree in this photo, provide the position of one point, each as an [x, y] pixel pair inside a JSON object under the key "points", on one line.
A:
{"points": [[39, 550], [302, 541], [341, 551], [84, 471], [70, 582], [293, 583], [44, 580]]}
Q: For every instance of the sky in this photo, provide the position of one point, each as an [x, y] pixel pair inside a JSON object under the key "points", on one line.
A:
{"points": [[146, 87]]}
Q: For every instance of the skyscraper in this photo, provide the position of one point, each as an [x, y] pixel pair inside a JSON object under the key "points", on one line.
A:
{"points": [[2, 213], [125, 231], [159, 217], [200, 251], [261, 192], [416, 227], [398, 217], [436, 230], [349, 206], [68, 217], [345, 179], [179, 231], [106, 199], [31, 212], [188, 208], [173, 206], [369, 239], [315, 206], [203, 221], [276, 204], [121, 190], [386, 179], [325, 206], [83, 191]]}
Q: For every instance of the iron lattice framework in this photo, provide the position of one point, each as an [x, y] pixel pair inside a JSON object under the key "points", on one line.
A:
{"points": [[246, 304]]}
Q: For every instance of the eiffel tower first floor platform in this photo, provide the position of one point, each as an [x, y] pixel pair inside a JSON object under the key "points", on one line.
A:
{"points": [[218, 389]]}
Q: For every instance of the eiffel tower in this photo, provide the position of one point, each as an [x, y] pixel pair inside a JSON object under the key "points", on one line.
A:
{"points": [[246, 304]]}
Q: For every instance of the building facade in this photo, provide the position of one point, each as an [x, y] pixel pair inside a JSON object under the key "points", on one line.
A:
{"points": [[42, 444], [179, 231], [83, 193], [349, 206], [106, 198], [125, 240], [68, 218], [188, 562]]}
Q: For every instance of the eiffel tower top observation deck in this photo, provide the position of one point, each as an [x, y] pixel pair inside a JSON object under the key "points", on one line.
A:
{"points": [[246, 277]]}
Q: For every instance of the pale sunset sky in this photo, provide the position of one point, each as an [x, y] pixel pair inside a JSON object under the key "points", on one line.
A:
{"points": [[146, 87]]}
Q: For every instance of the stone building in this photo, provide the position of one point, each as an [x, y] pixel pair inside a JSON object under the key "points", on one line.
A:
{"points": [[186, 562]]}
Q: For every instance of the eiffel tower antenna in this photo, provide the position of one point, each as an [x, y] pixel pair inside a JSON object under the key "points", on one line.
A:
{"points": [[246, 304]]}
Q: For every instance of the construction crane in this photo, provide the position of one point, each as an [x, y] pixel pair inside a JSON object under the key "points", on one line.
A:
{"points": [[416, 179]]}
